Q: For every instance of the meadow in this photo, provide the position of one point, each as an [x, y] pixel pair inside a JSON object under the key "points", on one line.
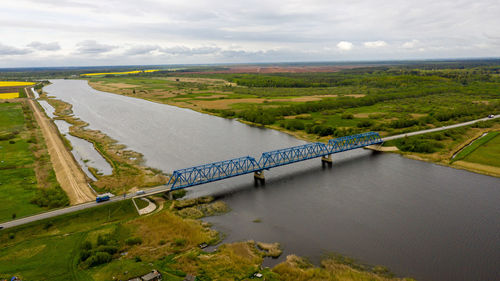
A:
{"points": [[485, 152], [319, 106], [27, 180]]}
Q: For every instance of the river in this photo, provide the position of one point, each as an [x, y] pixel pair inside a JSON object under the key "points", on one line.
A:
{"points": [[420, 220]]}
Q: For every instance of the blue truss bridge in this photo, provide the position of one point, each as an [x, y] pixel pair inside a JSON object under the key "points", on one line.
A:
{"points": [[206, 173]]}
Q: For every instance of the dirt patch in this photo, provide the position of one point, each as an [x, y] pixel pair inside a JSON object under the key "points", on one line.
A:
{"points": [[481, 102], [305, 116], [355, 95], [382, 148], [306, 98], [366, 114], [480, 168], [120, 85], [224, 103], [418, 115], [200, 80], [212, 97]]}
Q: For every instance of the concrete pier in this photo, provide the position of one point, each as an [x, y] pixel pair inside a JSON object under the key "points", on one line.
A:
{"points": [[259, 177], [327, 160]]}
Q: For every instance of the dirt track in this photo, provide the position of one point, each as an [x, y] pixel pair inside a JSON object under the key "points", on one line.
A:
{"points": [[68, 173]]}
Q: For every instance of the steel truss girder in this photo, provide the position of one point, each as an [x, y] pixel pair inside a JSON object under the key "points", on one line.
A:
{"points": [[244, 165]]}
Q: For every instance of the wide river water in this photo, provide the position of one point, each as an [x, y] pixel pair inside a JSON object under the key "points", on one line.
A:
{"points": [[419, 219]]}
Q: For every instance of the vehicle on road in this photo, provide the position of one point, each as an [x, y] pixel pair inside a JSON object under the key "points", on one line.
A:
{"points": [[140, 192], [101, 198], [491, 116]]}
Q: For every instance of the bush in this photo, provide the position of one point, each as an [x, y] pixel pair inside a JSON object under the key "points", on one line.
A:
{"points": [[179, 242], [347, 116], [51, 197], [86, 246], [365, 124], [403, 123], [97, 259], [294, 124], [107, 249], [133, 241]]}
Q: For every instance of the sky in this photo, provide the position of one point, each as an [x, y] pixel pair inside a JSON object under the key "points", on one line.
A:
{"points": [[38, 33]]}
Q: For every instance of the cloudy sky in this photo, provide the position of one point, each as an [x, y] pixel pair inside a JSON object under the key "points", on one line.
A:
{"points": [[123, 32]]}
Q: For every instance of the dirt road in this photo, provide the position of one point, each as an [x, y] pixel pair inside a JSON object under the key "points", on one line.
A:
{"points": [[68, 173]]}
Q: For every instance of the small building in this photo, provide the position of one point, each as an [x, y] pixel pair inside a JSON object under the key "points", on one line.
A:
{"points": [[154, 275], [190, 277]]}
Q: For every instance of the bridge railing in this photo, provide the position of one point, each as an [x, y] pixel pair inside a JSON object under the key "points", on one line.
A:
{"points": [[234, 167], [212, 172], [294, 154], [353, 142]]}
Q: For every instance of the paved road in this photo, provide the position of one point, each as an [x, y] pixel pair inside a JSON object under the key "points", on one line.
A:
{"points": [[164, 188], [439, 129]]}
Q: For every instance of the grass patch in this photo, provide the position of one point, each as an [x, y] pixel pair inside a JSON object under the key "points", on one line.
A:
{"points": [[474, 146], [487, 152], [27, 180]]}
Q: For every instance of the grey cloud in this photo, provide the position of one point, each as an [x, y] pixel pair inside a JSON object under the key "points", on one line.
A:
{"points": [[52, 46], [8, 50], [93, 47], [141, 50], [183, 50]]}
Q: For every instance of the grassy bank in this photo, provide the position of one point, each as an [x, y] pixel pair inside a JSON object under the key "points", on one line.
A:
{"points": [[111, 242], [27, 180], [128, 169], [321, 106], [464, 153]]}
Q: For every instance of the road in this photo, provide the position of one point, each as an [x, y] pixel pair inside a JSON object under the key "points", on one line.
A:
{"points": [[439, 129], [68, 173], [164, 188]]}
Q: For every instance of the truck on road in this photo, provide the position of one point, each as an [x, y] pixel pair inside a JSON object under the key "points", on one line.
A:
{"points": [[101, 198]]}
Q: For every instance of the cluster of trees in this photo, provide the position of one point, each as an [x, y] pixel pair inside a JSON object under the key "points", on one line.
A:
{"points": [[51, 197], [100, 253]]}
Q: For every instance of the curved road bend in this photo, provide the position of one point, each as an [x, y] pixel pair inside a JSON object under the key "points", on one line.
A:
{"points": [[164, 188]]}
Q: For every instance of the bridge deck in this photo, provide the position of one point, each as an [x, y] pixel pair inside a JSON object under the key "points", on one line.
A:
{"points": [[206, 173]]}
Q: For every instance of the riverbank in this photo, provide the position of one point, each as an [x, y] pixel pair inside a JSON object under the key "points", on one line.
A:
{"points": [[188, 93], [128, 171], [134, 245]]}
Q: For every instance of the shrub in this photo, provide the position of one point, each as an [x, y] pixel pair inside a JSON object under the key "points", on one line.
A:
{"points": [[294, 124], [179, 242], [365, 123], [133, 241], [347, 116], [97, 259], [403, 123]]}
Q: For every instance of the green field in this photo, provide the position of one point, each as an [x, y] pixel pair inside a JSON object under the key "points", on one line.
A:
{"points": [[487, 151], [18, 184], [49, 249], [27, 181], [318, 106]]}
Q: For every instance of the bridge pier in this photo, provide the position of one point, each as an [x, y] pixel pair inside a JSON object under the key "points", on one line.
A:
{"points": [[327, 160], [259, 177], [170, 196]]}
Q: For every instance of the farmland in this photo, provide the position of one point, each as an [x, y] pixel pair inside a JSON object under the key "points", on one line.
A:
{"points": [[319, 106]]}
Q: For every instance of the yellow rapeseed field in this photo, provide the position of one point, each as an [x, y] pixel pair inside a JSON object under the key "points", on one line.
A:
{"points": [[119, 73], [4, 96], [15, 83]]}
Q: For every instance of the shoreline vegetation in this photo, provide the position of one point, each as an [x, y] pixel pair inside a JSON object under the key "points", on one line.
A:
{"points": [[122, 244], [128, 174], [320, 106]]}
